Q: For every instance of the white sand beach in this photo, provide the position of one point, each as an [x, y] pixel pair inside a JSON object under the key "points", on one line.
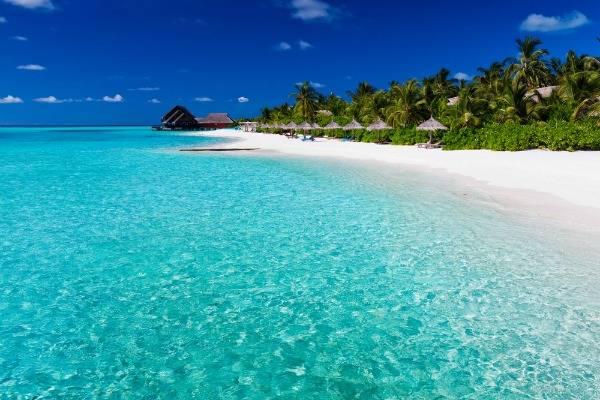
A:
{"points": [[537, 178]]}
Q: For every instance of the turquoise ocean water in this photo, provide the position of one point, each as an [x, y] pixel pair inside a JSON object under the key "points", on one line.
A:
{"points": [[130, 270]]}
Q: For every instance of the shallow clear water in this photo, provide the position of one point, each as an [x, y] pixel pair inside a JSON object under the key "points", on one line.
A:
{"points": [[128, 270]]}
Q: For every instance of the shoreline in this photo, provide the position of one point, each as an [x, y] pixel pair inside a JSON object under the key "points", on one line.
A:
{"points": [[559, 187]]}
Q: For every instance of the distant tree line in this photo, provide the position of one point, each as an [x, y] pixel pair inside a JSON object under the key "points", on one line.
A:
{"points": [[532, 89]]}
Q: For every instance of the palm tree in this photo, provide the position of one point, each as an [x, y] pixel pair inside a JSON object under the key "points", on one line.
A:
{"points": [[280, 114], [266, 114], [575, 64], [405, 109], [582, 91], [470, 109], [307, 100], [531, 65], [442, 86], [430, 98], [335, 104], [363, 90], [517, 106], [363, 107], [489, 85]]}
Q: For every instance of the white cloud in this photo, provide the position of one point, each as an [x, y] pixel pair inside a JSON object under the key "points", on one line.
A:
{"points": [[316, 85], [145, 89], [283, 46], [32, 4], [243, 99], [461, 76], [203, 99], [309, 10], [10, 100], [50, 100], [20, 38], [154, 101], [117, 98], [89, 99], [31, 67], [304, 45], [3, 20], [542, 23]]}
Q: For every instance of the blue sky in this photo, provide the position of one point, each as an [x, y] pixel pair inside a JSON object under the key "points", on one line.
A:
{"points": [[117, 61]]}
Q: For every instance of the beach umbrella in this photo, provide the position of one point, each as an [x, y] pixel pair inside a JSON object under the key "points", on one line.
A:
{"points": [[352, 126], [332, 125], [378, 125], [289, 126], [314, 125], [305, 126], [431, 125]]}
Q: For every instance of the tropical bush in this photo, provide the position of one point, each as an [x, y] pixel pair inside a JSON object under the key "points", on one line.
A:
{"points": [[556, 135], [411, 136]]}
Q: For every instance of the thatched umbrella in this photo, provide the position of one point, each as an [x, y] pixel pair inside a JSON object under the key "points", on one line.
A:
{"points": [[378, 125], [431, 125], [305, 126], [352, 126], [332, 125], [292, 125], [314, 125]]}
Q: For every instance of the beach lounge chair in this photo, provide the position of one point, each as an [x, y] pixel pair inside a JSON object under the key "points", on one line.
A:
{"points": [[430, 145], [308, 138], [289, 135]]}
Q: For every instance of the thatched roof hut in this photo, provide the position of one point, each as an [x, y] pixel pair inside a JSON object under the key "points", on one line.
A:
{"points": [[378, 125], [541, 93], [332, 125], [431, 125], [452, 101], [353, 126]]}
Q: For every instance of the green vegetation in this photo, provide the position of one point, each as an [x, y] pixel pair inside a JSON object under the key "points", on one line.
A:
{"points": [[520, 103], [557, 135]]}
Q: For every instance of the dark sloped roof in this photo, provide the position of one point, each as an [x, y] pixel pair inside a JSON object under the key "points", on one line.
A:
{"points": [[177, 113], [178, 116]]}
